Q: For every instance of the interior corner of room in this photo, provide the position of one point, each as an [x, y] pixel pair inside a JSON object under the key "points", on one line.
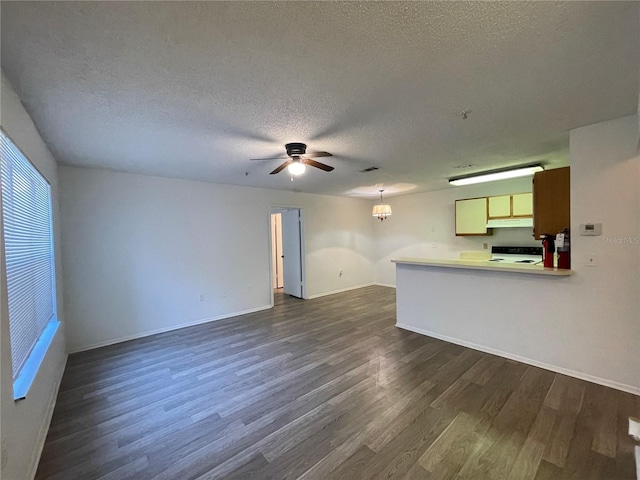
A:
{"points": [[167, 239]]}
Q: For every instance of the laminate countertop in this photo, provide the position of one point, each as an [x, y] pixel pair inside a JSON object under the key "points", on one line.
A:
{"points": [[483, 265]]}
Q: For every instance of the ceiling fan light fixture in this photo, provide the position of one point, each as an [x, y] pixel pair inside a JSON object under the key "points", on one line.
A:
{"points": [[297, 160], [382, 211], [296, 168]]}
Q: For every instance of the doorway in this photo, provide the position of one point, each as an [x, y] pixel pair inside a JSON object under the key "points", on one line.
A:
{"points": [[276, 251], [287, 259]]}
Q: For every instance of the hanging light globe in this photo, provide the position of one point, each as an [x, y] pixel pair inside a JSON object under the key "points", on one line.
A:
{"points": [[296, 168]]}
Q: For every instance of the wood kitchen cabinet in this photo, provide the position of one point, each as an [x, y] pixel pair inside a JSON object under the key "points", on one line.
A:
{"points": [[471, 217], [511, 206], [500, 207], [551, 201], [522, 204]]}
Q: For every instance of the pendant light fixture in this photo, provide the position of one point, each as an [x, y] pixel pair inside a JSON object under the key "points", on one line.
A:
{"points": [[381, 211]]}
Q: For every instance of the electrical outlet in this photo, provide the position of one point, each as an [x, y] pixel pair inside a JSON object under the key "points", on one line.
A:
{"points": [[200, 297], [434, 245], [433, 228], [590, 260], [485, 246], [340, 274]]}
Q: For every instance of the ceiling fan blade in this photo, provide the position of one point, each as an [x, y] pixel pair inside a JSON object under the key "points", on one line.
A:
{"points": [[318, 154], [319, 165], [281, 167], [270, 158]]}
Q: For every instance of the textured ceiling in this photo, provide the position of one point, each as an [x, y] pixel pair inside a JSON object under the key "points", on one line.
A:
{"points": [[193, 90]]}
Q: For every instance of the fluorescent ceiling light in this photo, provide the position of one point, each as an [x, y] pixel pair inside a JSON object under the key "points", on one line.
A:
{"points": [[497, 175]]}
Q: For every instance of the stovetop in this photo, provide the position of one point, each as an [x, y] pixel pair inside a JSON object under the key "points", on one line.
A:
{"points": [[523, 255], [510, 259]]}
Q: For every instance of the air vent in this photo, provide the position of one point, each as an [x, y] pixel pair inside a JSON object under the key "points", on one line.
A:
{"points": [[468, 165], [370, 169]]}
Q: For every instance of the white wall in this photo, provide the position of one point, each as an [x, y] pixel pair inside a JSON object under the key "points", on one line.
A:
{"points": [[605, 188], [24, 423], [586, 325], [423, 220], [137, 251]]}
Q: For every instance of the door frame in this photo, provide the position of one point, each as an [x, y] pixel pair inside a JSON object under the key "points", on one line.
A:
{"points": [[278, 208], [277, 273]]}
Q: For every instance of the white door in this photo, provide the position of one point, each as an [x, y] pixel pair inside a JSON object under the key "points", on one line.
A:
{"points": [[292, 253]]}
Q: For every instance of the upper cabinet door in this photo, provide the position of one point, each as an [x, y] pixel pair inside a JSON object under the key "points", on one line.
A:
{"points": [[500, 207], [523, 204], [471, 217], [551, 201]]}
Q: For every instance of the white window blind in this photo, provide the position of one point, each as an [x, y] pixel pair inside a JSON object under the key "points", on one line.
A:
{"points": [[26, 211]]}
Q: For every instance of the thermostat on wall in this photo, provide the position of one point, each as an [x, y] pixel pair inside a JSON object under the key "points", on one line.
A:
{"points": [[590, 228]]}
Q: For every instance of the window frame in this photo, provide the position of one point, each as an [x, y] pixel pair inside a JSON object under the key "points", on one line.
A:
{"points": [[23, 380]]}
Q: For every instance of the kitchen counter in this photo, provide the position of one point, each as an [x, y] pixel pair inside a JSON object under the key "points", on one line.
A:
{"points": [[484, 265], [511, 310]]}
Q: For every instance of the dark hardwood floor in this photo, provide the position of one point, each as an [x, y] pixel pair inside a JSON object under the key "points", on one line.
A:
{"points": [[280, 298], [327, 389]]}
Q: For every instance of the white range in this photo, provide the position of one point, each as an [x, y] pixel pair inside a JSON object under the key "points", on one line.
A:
{"points": [[528, 255]]}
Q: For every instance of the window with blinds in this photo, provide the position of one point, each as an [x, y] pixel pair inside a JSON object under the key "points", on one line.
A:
{"points": [[29, 257]]}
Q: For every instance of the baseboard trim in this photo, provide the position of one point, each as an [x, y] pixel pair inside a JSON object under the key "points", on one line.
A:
{"points": [[341, 290], [385, 285], [44, 428], [135, 336], [529, 361]]}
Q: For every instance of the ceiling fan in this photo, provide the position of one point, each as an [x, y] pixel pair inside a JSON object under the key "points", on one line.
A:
{"points": [[298, 158]]}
